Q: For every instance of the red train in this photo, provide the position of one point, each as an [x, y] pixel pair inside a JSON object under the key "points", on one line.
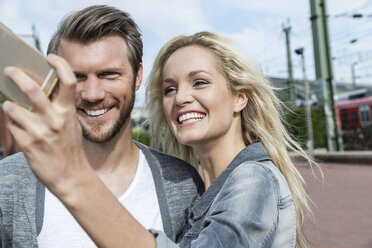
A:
{"points": [[354, 122]]}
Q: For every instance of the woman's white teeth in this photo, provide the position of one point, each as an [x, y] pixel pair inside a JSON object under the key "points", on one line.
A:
{"points": [[96, 112], [190, 117]]}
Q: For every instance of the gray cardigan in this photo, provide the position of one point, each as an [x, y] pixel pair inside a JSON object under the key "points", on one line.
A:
{"points": [[22, 196]]}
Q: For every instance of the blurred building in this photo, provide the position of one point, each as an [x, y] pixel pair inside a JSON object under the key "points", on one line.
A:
{"points": [[315, 95]]}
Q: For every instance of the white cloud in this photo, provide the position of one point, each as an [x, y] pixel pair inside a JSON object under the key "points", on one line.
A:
{"points": [[287, 7]]}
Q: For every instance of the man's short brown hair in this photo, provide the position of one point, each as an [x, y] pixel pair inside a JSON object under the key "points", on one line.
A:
{"points": [[98, 21]]}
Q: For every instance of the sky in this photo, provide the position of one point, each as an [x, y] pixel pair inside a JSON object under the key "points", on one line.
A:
{"points": [[257, 25]]}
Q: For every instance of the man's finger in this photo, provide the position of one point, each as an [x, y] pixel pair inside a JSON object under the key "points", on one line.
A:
{"points": [[20, 135], [67, 87], [22, 117]]}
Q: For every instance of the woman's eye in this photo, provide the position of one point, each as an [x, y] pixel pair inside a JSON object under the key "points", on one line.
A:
{"points": [[169, 90], [200, 82]]}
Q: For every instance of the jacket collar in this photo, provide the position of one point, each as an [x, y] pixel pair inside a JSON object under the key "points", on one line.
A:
{"points": [[254, 152]]}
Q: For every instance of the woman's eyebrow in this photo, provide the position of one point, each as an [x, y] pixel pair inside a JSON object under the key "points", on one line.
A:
{"points": [[193, 73], [168, 80]]}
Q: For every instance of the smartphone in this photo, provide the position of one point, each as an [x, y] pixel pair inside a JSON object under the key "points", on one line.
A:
{"points": [[16, 52]]}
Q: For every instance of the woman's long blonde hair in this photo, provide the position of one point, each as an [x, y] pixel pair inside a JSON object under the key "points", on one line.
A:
{"points": [[261, 118]]}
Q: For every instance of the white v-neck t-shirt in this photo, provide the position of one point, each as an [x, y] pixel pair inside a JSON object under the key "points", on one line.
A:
{"points": [[60, 229]]}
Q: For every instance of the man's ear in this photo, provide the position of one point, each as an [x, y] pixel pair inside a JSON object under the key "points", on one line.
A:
{"points": [[139, 77], [241, 100]]}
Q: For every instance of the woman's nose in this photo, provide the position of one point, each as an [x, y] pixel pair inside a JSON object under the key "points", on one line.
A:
{"points": [[183, 96]]}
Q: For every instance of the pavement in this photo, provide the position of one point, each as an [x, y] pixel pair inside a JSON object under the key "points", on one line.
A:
{"points": [[341, 200], [341, 204]]}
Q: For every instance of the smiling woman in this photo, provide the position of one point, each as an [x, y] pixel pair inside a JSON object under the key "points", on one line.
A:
{"points": [[193, 88], [212, 107]]}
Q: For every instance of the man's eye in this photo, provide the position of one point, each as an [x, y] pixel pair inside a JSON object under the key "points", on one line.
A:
{"points": [[80, 77], [109, 75]]}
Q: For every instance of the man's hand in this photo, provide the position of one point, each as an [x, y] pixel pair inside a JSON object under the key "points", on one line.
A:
{"points": [[51, 139], [49, 135]]}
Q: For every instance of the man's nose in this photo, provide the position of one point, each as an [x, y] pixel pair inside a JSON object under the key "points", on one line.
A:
{"points": [[92, 89]]}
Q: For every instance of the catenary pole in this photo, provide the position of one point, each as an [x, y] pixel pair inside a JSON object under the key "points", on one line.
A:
{"points": [[323, 69]]}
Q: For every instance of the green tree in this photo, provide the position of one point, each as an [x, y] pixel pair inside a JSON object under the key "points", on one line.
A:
{"points": [[141, 135], [296, 124]]}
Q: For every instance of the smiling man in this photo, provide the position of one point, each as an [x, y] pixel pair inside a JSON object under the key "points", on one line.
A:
{"points": [[103, 47], [106, 85]]}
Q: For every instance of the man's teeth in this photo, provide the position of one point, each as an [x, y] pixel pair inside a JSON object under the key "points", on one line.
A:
{"points": [[96, 112], [190, 117]]}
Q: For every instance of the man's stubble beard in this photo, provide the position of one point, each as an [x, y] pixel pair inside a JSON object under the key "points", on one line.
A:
{"points": [[96, 135]]}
